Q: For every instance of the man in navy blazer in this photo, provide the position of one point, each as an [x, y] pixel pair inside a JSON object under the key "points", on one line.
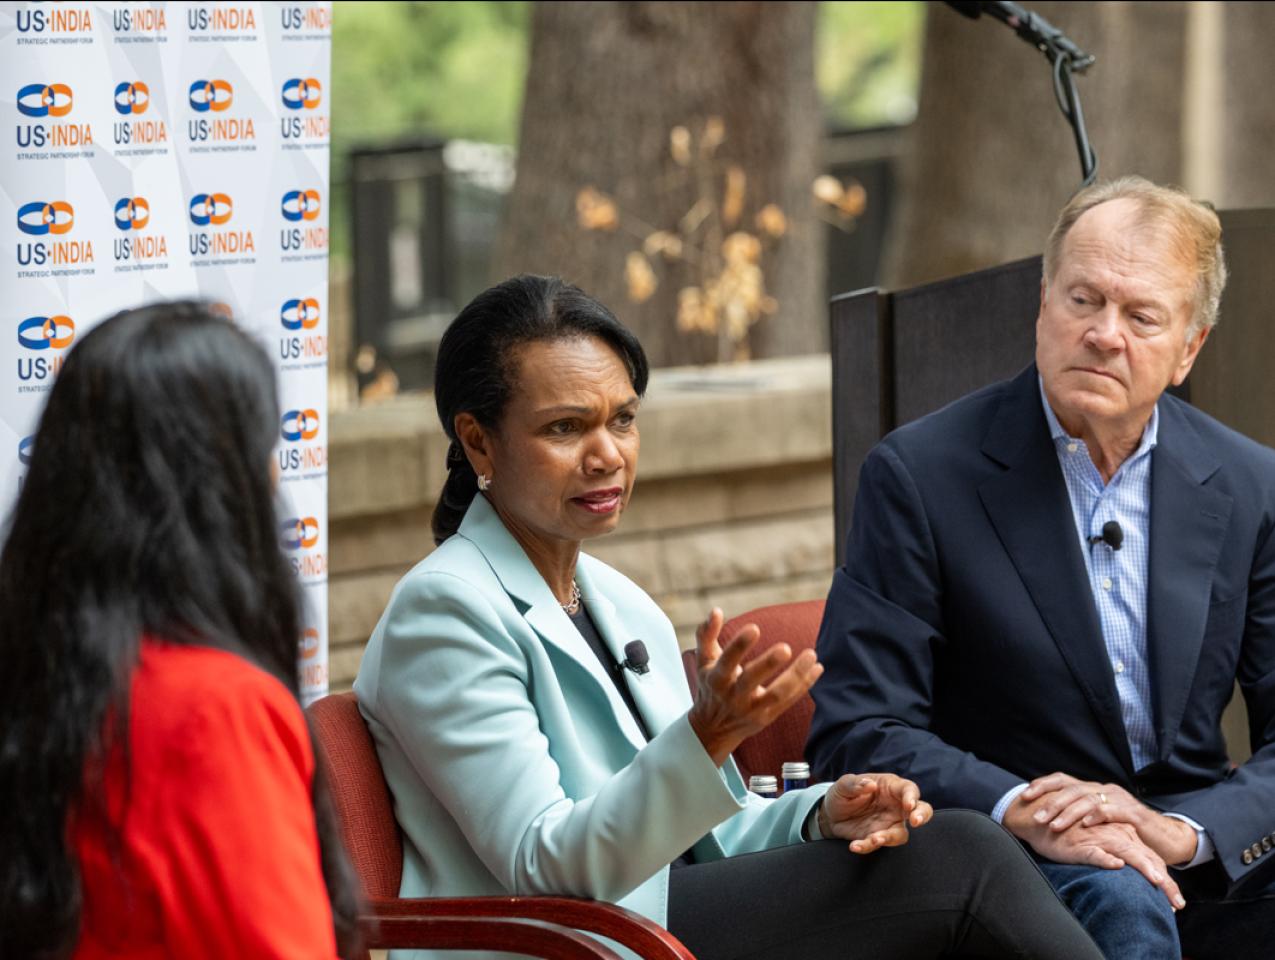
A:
{"points": [[1053, 584]]}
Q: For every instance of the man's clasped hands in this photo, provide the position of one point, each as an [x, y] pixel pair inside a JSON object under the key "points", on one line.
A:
{"points": [[1101, 825]]}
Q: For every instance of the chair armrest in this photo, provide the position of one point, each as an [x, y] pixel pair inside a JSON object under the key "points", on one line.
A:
{"points": [[643, 936], [536, 938]]}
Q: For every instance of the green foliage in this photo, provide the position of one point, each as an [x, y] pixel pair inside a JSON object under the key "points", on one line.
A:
{"points": [[404, 70], [434, 69], [868, 62]]}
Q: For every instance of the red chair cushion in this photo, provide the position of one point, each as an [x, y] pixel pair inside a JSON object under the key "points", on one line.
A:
{"points": [[359, 793]]}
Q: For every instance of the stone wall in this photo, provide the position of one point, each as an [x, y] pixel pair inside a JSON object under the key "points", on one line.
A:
{"points": [[733, 504]]}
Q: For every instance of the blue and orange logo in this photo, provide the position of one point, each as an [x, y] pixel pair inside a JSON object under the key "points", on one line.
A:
{"points": [[299, 94], [132, 213], [300, 425], [214, 95], [211, 208], [299, 314], [41, 218], [25, 446], [300, 533], [300, 205], [44, 100], [132, 97], [42, 333]]}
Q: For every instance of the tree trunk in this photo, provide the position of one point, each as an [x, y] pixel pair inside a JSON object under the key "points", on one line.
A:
{"points": [[990, 159], [606, 85]]}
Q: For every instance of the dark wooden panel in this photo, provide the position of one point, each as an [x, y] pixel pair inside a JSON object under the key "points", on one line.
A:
{"points": [[896, 357], [1233, 379], [862, 392], [954, 336]]}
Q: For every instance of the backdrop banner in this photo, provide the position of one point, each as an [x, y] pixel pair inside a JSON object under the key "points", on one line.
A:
{"points": [[169, 150]]}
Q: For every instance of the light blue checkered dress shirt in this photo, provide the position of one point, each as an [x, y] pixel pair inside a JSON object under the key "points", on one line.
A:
{"points": [[1118, 579]]}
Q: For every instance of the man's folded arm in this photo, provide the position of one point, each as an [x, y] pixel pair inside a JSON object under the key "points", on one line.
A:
{"points": [[882, 626]]}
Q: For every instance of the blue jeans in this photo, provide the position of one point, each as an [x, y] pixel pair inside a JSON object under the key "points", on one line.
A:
{"points": [[1128, 917]]}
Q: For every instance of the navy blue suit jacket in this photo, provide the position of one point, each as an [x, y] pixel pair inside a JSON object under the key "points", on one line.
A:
{"points": [[963, 648]]}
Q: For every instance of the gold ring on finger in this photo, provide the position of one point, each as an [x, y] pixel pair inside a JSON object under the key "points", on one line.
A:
{"points": [[1102, 799]]}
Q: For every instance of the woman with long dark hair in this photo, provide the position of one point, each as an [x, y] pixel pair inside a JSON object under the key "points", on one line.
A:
{"points": [[157, 779]]}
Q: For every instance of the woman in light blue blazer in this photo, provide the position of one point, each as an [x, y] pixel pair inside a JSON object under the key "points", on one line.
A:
{"points": [[530, 750]]}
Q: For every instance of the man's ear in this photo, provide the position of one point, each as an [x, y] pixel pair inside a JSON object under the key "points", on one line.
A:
{"points": [[476, 443], [1044, 291], [1188, 357]]}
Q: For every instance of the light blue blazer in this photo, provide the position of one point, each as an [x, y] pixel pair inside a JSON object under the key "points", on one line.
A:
{"points": [[515, 766]]}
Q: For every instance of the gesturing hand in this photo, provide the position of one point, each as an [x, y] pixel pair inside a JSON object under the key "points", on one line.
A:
{"points": [[872, 810], [1106, 845], [1066, 801], [732, 699]]}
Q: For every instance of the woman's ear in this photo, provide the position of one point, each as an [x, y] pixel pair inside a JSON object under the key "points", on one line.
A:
{"points": [[476, 442]]}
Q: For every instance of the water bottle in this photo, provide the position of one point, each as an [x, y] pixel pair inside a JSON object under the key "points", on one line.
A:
{"points": [[796, 775]]}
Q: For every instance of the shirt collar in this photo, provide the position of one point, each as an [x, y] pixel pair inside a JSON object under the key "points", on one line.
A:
{"points": [[1150, 433]]}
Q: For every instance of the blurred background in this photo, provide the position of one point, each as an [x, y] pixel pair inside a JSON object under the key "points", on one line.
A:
{"points": [[714, 172], [679, 121]]}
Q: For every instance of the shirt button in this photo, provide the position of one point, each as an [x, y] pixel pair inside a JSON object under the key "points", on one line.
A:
{"points": [[1072, 447], [1106, 583], [1119, 666]]}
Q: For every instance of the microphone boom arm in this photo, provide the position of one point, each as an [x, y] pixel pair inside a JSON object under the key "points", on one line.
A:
{"points": [[1040, 33], [1066, 57]]}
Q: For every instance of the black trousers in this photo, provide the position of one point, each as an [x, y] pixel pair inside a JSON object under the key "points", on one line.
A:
{"points": [[962, 886]]}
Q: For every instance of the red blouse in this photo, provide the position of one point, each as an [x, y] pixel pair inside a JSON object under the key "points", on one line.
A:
{"points": [[218, 856]]}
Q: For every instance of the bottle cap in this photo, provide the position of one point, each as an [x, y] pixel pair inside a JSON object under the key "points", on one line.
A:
{"points": [[796, 770], [763, 783]]}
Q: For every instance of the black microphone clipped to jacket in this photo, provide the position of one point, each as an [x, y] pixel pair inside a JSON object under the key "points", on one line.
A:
{"points": [[1112, 535], [636, 657]]}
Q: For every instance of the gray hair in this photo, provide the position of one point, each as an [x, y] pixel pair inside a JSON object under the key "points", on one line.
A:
{"points": [[1192, 224]]}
